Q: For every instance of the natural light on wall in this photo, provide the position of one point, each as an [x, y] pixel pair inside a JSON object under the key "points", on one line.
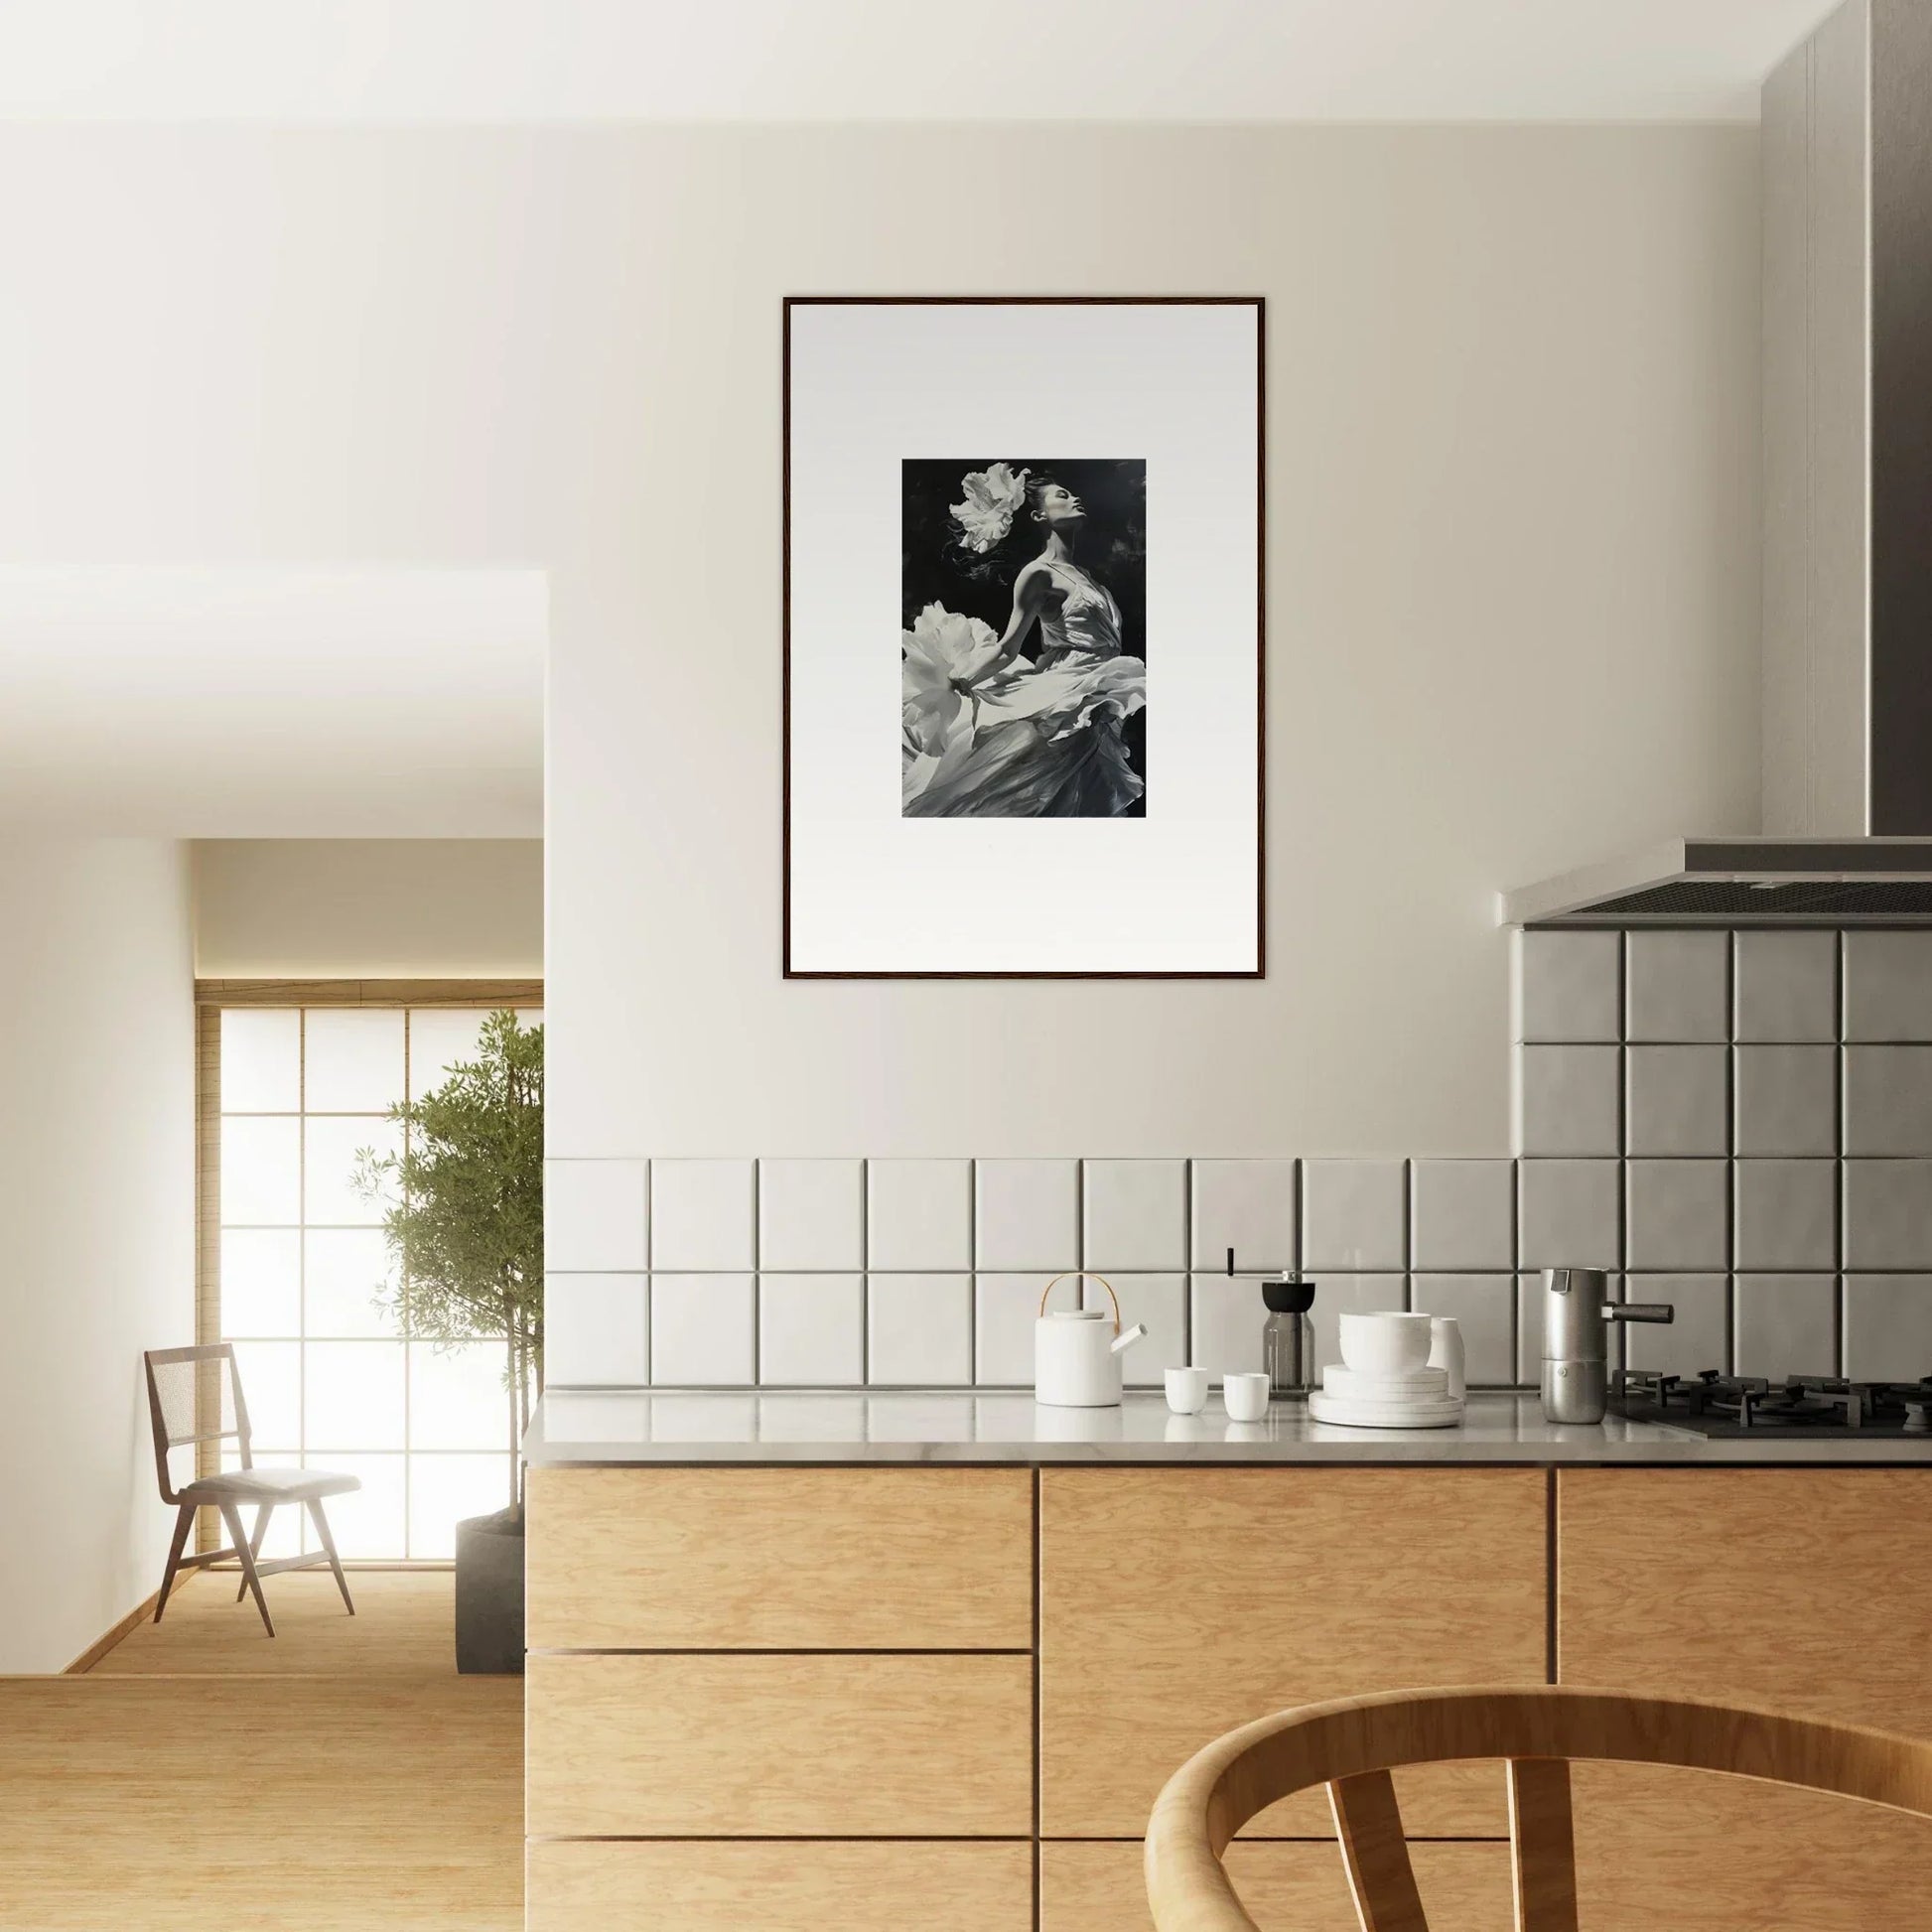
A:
{"points": [[305, 1274]]}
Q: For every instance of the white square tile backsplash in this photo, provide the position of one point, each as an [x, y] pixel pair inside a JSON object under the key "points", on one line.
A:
{"points": [[1354, 1214], [919, 1215], [1134, 1214], [811, 1214], [704, 1330], [1005, 1308], [1786, 1324], [1569, 985], [1462, 1214], [812, 1330], [1225, 1320], [1027, 1214], [703, 1215], [594, 1215], [1567, 1100], [1676, 986], [597, 1329], [921, 1329], [1887, 979], [1756, 1106], [1245, 1205]]}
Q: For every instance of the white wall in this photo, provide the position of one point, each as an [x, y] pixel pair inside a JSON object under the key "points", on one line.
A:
{"points": [[1512, 559], [382, 909], [98, 1204]]}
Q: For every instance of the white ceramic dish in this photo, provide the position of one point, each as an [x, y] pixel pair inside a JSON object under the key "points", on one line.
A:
{"points": [[1419, 1384], [1441, 1414], [1385, 1342]]}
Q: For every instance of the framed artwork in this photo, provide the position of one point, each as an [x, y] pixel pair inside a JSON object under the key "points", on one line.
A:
{"points": [[1051, 765]]}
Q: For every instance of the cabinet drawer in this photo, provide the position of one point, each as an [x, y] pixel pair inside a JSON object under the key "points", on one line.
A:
{"points": [[771, 1746], [1657, 1846], [1175, 1604], [1811, 1590], [796, 1888], [780, 1559], [1099, 1887]]}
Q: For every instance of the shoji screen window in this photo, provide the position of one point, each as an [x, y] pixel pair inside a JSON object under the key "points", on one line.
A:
{"points": [[307, 1291]]}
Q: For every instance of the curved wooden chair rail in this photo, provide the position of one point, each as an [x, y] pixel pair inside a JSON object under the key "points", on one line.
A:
{"points": [[1350, 1745]]}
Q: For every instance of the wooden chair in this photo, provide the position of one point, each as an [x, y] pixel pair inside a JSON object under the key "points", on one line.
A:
{"points": [[195, 1396], [1351, 1746]]}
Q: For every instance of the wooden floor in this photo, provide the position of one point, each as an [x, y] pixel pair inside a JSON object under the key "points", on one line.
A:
{"points": [[339, 1778]]}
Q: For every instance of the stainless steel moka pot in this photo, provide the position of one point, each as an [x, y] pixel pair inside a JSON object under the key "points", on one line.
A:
{"points": [[1576, 1316]]}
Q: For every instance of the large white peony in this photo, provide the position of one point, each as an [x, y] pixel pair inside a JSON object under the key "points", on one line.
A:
{"points": [[993, 498], [936, 652]]}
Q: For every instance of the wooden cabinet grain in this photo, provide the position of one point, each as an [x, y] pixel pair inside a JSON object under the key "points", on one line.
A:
{"points": [[708, 1886], [1176, 1604], [737, 1558], [1098, 1887], [754, 1746], [1808, 1591]]}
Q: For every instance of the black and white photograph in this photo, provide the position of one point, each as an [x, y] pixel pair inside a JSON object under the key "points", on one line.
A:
{"points": [[1056, 771], [1022, 652]]}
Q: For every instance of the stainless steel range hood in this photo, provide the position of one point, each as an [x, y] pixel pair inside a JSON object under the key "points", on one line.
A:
{"points": [[1741, 881], [1847, 793]]}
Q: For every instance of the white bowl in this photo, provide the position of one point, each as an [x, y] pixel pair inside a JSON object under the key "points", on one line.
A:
{"points": [[1385, 1344]]}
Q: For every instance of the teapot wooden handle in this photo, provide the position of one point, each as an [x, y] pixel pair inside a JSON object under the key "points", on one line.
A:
{"points": [[1083, 1275]]}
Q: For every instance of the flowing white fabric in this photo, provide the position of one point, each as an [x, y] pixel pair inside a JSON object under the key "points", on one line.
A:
{"points": [[1023, 741]]}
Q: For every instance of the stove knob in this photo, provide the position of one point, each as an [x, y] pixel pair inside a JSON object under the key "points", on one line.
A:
{"points": [[1919, 1418]]}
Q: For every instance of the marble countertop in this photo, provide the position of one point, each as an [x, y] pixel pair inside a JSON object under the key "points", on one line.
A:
{"points": [[997, 1427]]}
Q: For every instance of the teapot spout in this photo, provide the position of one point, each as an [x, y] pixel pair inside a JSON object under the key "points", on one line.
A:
{"points": [[1138, 1333]]}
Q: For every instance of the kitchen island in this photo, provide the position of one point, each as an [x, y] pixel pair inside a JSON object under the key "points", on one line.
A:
{"points": [[870, 1660]]}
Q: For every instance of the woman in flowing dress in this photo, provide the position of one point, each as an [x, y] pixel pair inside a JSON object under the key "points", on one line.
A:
{"points": [[989, 733]]}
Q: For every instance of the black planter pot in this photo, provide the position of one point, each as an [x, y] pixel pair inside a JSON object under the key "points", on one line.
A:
{"points": [[490, 1594]]}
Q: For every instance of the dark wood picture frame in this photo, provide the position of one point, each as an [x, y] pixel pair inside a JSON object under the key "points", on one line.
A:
{"points": [[1259, 305]]}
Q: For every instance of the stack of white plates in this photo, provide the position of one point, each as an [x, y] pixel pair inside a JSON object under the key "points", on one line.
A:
{"points": [[1417, 1398]]}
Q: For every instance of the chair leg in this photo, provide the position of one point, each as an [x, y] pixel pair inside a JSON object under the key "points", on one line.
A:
{"points": [[184, 1522], [232, 1515], [329, 1544], [262, 1513]]}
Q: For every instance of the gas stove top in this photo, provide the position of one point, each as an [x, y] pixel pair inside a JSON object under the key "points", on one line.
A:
{"points": [[1711, 1404]]}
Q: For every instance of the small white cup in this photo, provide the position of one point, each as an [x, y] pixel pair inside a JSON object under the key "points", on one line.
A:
{"points": [[1186, 1390], [1246, 1395], [1446, 1351]]}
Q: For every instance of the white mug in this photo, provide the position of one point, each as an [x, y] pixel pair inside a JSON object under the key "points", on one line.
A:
{"points": [[1186, 1390], [1246, 1395], [1446, 1351]]}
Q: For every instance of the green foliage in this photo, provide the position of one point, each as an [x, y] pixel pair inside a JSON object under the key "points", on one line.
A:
{"points": [[463, 1205]]}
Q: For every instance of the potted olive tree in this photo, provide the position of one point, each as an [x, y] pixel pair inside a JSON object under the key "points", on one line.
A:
{"points": [[464, 1219]]}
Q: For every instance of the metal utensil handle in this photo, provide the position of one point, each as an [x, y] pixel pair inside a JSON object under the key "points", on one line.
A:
{"points": [[1083, 1275], [1639, 1312]]}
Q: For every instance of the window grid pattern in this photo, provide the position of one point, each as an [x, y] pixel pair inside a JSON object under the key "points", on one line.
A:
{"points": [[330, 1379]]}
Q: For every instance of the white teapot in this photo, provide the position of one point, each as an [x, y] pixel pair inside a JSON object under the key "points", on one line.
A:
{"points": [[1077, 1351]]}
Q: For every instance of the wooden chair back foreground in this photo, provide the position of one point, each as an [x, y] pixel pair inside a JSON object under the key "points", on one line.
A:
{"points": [[1352, 1745]]}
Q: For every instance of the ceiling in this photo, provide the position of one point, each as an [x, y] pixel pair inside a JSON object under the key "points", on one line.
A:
{"points": [[894, 59], [195, 703]]}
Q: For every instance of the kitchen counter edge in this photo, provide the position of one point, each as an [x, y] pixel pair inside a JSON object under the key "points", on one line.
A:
{"points": [[996, 1428]]}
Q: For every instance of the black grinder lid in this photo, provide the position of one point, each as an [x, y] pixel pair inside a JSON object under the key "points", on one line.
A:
{"points": [[1288, 1297]]}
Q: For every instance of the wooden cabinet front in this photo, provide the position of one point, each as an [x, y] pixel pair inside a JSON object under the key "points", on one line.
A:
{"points": [[758, 1558], [1099, 1887], [1177, 1603], [1807, 1591], [788, 1887], [748, 1746]]}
